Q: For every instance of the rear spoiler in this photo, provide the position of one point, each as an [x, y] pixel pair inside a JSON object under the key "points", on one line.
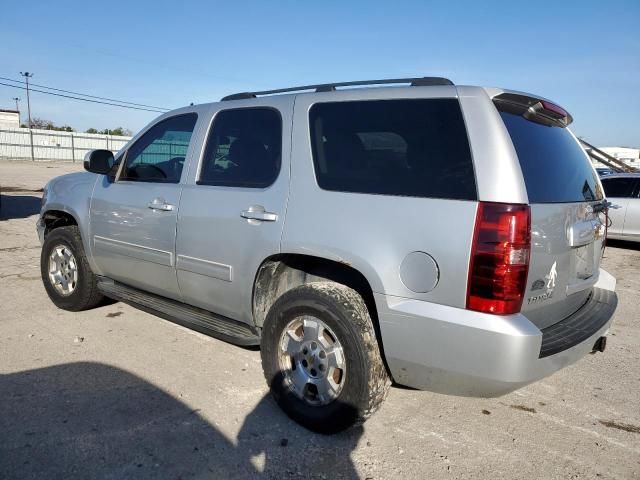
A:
{"points": [[534, 109]]}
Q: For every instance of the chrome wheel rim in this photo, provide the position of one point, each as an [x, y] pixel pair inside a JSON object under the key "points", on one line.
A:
{"points": [[63, 270], [312, 360]]}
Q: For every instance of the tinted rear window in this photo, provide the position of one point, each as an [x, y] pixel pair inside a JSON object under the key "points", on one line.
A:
{"points": [[554, 166], [393, 147]]}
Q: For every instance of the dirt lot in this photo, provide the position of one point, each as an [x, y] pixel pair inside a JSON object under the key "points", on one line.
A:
{"points": [[116, 393]]}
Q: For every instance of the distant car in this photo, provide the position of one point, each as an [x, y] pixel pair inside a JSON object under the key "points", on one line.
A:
{"points": [[623, 191], [603, 172]]}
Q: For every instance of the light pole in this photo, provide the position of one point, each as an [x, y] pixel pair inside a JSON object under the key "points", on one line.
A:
{"points": [[27, 76], [17, 107]]}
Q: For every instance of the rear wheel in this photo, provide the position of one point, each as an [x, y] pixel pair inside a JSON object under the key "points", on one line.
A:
{"points": [[67, 277], [321, 358]]}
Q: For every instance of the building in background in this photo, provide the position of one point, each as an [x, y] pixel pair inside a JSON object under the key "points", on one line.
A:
{"points": [[9, 119], [630, 156]]}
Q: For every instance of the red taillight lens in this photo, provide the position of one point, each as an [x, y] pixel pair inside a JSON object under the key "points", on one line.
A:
{"points": [[499, 258], [555, 109]]}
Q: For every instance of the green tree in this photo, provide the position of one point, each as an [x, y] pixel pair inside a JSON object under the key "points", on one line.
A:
{"points": [[120, 131], [49, 125], [91, 130]]}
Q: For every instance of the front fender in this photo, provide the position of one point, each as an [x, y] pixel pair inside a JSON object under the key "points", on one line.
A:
{"points": [[72, 194]]}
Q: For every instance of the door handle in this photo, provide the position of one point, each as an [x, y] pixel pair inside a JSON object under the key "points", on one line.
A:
{"points": [[258, 212], [160, 204]]}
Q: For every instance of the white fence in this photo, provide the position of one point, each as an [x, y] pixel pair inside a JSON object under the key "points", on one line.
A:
{"points": [[35, 144]]}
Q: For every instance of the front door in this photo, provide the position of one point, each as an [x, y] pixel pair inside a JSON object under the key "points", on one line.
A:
{"points": [[133, 219], [232, 208]]}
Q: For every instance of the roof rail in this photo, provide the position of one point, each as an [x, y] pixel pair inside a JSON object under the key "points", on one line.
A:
{"points": [[330, 87]]}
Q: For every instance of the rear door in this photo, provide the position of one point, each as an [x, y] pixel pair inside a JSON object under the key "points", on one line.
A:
{"points": [[619, 191], [233, 206], [567, 231]]}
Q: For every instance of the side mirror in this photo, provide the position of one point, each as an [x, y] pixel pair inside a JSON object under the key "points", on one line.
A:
{"points": [[99, 161]]}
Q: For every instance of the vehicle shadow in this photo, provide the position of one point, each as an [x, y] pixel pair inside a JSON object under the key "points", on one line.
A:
{"points": [[90, 420], [18, 206], [623, 244]]}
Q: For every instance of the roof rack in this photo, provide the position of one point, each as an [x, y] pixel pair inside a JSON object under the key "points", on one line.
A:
{"points": [[330, 87]]}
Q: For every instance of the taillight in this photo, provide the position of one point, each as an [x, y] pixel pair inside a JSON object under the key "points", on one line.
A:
{"points": [[499, 258]]}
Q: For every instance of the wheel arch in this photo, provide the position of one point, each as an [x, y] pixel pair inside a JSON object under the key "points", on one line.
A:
{"points": [[59, 216], [282, 272], [54, 218]]}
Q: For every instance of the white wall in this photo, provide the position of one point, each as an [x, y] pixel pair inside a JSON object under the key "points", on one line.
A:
{"points": [[9, 119], [15, 144]]}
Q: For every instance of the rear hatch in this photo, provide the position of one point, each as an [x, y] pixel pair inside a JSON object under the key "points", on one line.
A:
{"points": [[566, 200]]}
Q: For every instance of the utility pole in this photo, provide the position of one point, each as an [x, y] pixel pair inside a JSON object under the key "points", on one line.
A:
{"points": [[27, 76], [17, 107]]}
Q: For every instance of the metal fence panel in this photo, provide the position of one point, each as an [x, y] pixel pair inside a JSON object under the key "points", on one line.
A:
{"points": [[16, 144]]}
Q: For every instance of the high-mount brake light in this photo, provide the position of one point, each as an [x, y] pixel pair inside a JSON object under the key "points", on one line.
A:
{"points": [[499, 261], [533, 108], [554, 109]]}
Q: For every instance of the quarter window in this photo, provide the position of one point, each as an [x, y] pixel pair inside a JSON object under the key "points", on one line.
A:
{"points": [[159, 155], [243, 149], [413, 148]]}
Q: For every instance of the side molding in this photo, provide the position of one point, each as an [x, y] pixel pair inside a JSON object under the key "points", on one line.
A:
{"points": [[205, 267], [133, 250]]}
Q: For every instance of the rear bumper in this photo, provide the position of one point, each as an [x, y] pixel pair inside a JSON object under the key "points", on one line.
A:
{"points": [[461, 352]]}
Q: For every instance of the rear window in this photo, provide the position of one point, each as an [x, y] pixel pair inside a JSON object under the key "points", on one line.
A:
{"points": [[554, 166], [393, 147]]}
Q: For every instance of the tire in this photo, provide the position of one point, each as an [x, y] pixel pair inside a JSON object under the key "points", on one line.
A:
{"points": [[363, 383], [83, 293]]}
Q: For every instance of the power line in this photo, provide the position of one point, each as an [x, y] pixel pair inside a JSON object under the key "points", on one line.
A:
{"points": [[82, 99], [86, 95]]}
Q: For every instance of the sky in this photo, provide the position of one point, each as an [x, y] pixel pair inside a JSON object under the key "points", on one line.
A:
{"points": [[584, 55]]}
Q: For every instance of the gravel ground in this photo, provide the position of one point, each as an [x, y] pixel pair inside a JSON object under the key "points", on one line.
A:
{"points": [[118, 393]]}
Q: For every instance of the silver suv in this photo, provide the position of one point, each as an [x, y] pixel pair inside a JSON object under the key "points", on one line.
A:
{"points": [[444, 237]]}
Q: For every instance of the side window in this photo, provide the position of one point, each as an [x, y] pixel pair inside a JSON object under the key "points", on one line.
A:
{"points": [[243, 148], [618, 187], [159, 155], [416, 148]]}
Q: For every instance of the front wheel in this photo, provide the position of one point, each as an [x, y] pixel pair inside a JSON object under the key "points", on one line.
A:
{"points": [[66, 274], [321, 358]]}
